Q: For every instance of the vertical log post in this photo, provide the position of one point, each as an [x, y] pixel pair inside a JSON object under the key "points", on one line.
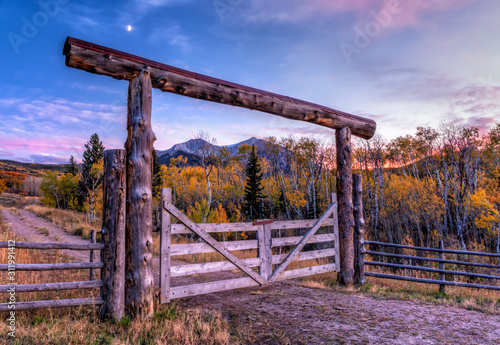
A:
{"points": [[139, 288], [335, 216], [442, 276], [165, 235], [92, 255], [359, 230], [265, 250], [346, 217], [113, 236]]}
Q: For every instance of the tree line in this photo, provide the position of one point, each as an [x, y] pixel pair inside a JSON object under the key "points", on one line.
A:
{"points": [[437, 184]]}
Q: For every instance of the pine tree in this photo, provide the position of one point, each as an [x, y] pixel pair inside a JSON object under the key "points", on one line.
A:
{"points": [[71, 167], [156, 186], [252, 206], [92, 178]]}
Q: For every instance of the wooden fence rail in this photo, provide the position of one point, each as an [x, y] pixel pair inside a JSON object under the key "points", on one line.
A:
{"points": [[91, 284], [440, 260]]}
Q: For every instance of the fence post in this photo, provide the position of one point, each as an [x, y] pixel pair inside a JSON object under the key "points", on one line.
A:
{"points": [[335, 217], [442, 276], [92, 258], [139, 285], [346, 217], [265, 250], [359, 230], [165, 246], [113, 236]]}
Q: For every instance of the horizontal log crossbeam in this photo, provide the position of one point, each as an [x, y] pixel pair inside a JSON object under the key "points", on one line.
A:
{"points": [[97, 59]]}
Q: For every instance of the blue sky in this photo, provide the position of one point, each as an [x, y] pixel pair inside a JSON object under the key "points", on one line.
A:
{"points": [[403, 63]]}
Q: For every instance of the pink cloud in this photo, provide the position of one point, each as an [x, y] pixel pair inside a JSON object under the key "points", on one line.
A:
{"points": [[404, 13]]}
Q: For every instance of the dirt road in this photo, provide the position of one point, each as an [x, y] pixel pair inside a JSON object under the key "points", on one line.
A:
{"points": [[292, 313]]}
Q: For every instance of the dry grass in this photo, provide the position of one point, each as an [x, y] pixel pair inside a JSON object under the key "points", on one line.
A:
{"points": [[75, 223], [170, 324]]}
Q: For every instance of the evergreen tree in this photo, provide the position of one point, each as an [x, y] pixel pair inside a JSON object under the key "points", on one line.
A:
{"points": [[156, 186], [92, 178], [71, 167], [252, 205]]}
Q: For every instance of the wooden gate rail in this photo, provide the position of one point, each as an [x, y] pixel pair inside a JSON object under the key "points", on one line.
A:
{"points": [[264, 243], [442, 272], [51, 267]]}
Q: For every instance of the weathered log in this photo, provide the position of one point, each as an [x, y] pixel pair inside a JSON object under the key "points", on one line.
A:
{"points": [[139, 286], [48, 246], [53, 267], [119, 65], [165, 247], [52, 286], [359, 230], [53, 303], [346, 217], [113, 235], [92, 255]]}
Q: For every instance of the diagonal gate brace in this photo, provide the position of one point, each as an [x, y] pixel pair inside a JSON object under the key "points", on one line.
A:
{"points": [[213, 243], [302, 243]]}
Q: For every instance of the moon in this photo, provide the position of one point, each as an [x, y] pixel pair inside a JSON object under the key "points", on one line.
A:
{"points": [[129, 27]]}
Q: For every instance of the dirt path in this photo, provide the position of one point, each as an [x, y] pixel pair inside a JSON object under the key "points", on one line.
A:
{"points": [[291, 313], [27, 225]]}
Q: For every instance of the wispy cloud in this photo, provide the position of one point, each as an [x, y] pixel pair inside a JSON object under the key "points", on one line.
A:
{"points": [[172, 36], [410, 12], [44, 129]]}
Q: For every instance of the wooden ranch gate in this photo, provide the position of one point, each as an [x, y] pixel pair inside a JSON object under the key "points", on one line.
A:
{"points": [[263, 242], [128, 271]]}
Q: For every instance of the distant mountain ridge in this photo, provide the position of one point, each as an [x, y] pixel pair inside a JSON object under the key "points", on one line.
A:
{"points": [[189, 148]]}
